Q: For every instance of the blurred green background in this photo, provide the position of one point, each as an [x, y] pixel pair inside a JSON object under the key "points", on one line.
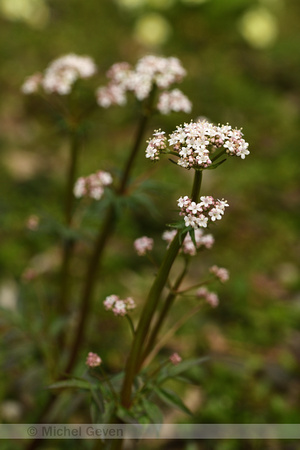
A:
{"points": [[243, 65]]}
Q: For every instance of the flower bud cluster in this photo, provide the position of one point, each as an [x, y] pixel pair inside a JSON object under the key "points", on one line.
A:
{"points": [[93, 360], [143, 245], [198, 215], [60, 75], [210, 297], [195, 142], [188, 246], [93, 185], [149, 71], [220, 272], [117, 306], [175, 359]]}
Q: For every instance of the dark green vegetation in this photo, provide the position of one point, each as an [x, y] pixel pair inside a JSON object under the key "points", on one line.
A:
{"points": [[253, 337]]}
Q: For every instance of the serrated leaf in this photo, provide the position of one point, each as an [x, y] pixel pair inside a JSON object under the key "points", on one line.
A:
{"points": [[171, 398]]}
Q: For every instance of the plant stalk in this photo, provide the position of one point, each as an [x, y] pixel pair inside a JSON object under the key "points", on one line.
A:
{"points": [[132, 366], [104, 233]]}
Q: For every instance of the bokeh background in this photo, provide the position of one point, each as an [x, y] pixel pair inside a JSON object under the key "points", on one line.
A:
{"points": [[242, 59]]}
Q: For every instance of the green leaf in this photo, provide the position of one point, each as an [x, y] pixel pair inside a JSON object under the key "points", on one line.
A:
{"points": [[173, 371], [192, 234], [152, 411], [171, 398], [214, 166], [72, 383], [126, 415]]}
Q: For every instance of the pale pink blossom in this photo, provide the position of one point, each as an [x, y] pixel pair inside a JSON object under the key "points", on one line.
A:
{"points": [[220, 272], [210, 297], [118, 306], [61, 74], [173, 100], [188, 246], [175, 359], [93, 185], [93, 360], [198, 215], [149, 71], [143, 245], [155, 145], [194, 143], [32, 84], [33, 222]]}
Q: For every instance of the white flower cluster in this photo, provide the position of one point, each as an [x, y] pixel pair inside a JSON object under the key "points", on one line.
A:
{"points": [[195, 142], [143, 245], [60, 75], [198, 215], [174, 100], [149, 71], [117, 306], [92, 185], [210, 297], [220, 272], [188, 247], [155, 145]]}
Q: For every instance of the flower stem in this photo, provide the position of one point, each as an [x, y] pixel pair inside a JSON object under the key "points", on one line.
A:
{"points": [[163, 314], [133, 362], [68, 243], [104, 234]]}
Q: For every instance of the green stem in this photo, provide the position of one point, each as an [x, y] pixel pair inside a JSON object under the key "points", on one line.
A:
{"points": [[163, 314], [104, 233], [68, 244], [142, 330]]}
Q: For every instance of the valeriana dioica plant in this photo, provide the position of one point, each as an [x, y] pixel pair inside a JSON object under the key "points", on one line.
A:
{"points": [[134, 399], [150, 82], [196, 147]]}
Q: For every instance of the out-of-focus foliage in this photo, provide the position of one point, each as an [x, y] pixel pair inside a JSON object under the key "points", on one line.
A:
{"points": [[242, 59]]}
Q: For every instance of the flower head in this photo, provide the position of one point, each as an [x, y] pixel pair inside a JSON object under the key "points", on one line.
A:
{"points": [[174, 100], [195, 142], [60, 75], [143, 245], [175, 359], [210, 297], [93, 185], [93, 360], [149, 71], [188, 246], [117, 306], [220, 272], [198, 215]]}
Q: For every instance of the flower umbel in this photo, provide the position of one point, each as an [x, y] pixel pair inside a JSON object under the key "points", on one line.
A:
{"points": [[149, 71], [194, 144], [188, 246], [210, 297], [175, 359], [117, 306], [93, 360], [92, 185], [143, 245], [60, 75], [220, 272], [198, 215]]}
